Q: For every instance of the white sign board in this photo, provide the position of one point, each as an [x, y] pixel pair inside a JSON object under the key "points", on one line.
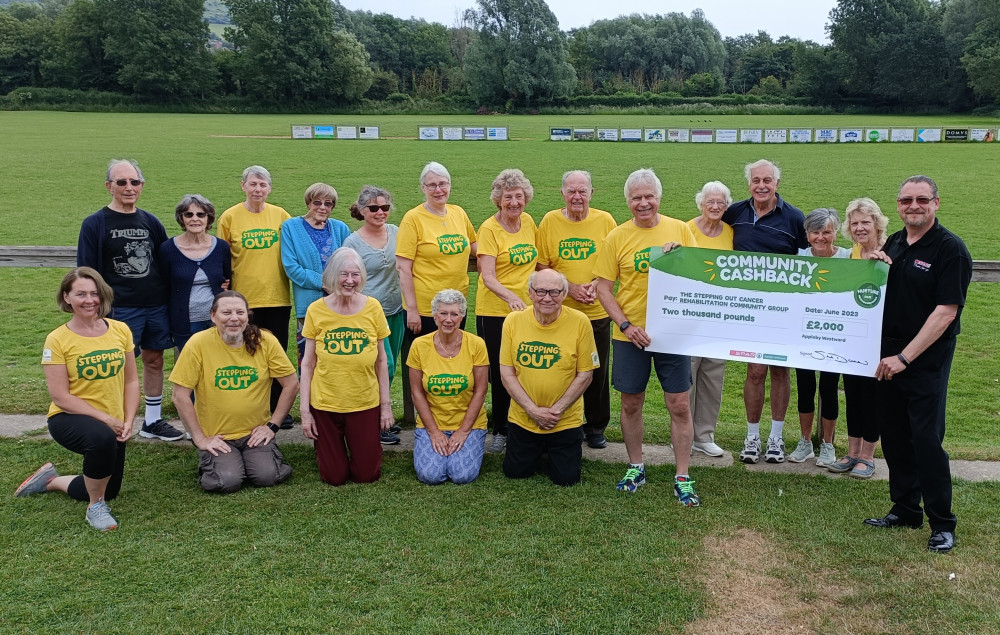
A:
{"points": [[801, 135], [655, 135], [347, 132], [702, 136], [496, 134], [901, 135], [825, 135], [928, 135], [607, 134], [451, 133], [678, 135], [726, 136], [852, 135], [475, 134], [368, 132], [775, 136], [751, 136], [429, 133], [877, 135], [631, 134], [982, 134]]}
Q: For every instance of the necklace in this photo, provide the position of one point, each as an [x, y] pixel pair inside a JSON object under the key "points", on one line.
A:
{"points": [[443, 350]]}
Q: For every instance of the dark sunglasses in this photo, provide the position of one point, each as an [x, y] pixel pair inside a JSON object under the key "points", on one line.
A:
{"points": [[375, 208], [908, 200], [193, 214], [124, 182]]}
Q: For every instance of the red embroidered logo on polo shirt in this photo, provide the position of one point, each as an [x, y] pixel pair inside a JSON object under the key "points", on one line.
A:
{"points": [[920, 264]]}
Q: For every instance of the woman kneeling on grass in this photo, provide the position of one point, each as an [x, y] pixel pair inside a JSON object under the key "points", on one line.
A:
{"points": [[91, 375], [448, 373], [345, 378]]}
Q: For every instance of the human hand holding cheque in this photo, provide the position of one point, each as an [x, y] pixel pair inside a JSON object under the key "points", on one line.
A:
{"points": [[796, 311]]}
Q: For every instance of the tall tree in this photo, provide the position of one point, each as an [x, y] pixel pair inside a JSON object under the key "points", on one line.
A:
{"points": [[76, 58], [23, 38], [981, 59], [290, 50], [518, 54]]}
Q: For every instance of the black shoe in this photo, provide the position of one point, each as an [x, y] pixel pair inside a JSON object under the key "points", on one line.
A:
{"points": [[892, 520], [941, 541], [395, 429], [388, 438], [287, 423], [596, 441]]}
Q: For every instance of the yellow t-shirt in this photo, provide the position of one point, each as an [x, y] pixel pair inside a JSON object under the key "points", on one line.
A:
{"points": [[439, 249], [571, 248], [625, 257], [346, 349], [255, 242], [856, 251], [95, 365], [723, 241], [449, 383], [232, 388], [547, 360], [516, 255]]}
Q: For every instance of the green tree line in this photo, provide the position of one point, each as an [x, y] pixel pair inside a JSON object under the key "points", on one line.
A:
{"points": [[891, 54]]}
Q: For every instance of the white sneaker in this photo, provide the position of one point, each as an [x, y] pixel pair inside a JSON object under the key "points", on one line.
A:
{"points": [[803, 451], [751, 449], [775, 450], [708, 448], [827, 455]]}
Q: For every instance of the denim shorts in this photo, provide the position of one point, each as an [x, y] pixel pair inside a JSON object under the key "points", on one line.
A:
{"points": [[630, 369]]}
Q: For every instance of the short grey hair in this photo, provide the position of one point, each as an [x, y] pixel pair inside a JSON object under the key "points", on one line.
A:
{"points": [[820, 218], [449, 296], [643, 176], [775, 170], [132, 162], [337, 262], [434, 168], [562, 279], [583, 173], [195, 199], [918, 178], [511, 179], [258, 171], [713, 187]]}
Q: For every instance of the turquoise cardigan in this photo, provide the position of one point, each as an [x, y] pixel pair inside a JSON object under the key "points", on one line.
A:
{"points": [[300, 258]]}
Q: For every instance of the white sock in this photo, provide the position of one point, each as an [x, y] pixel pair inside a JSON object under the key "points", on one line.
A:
{"points": [[639, 466], [153, 408], [753, 429], [776, 427]]}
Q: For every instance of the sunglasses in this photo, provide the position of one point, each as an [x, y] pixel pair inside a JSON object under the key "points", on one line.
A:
{"points": [[124, 182], [193, 214], [375, 208], [908, 200]]}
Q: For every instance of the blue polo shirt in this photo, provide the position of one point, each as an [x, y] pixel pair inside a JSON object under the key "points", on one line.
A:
{"points": [[780, 231]]}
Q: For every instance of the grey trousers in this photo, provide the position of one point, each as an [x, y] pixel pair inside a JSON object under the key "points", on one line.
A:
{"points": [[262, 466]]}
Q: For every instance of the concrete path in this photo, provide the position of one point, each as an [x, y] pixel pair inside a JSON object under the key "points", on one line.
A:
{"points": [[34, 427]]}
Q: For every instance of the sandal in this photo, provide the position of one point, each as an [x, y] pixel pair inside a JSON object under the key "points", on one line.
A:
{"points": [[845, 464], [863, 472]]}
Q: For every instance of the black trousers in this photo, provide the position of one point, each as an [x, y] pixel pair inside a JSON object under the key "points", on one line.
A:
{"points": [[912, 415], [103, 454], [490, 328], [597, 397], [274, 319], [525, 448]]}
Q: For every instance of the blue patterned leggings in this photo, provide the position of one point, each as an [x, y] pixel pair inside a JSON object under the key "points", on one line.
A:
{"points": [[461, 467]]}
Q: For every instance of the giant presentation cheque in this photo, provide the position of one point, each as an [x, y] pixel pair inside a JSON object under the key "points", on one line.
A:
{"points": [[797, 311]]}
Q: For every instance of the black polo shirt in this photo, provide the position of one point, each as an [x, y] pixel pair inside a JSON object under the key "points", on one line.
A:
{"points": [[933, 271], [780, 231]]}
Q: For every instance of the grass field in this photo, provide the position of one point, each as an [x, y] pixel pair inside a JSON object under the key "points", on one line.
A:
{"points": [[494, 556]]}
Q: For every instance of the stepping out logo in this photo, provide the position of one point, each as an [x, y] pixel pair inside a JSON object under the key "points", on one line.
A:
{"points": [[259, 238], [451, 244], [523, 254], [235, 377], [641, 260], [100, 364], [576, 248], [345, 341], [447, 385], [537, 355]]}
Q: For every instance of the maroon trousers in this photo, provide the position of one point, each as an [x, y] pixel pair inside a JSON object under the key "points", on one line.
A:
{"points": [[348, 447]]}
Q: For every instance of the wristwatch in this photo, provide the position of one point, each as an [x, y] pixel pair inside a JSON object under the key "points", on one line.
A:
{"points": [[273, 427], [624, 325]]}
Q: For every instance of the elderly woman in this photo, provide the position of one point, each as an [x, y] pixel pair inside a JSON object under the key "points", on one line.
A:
{"points": [[866, 226], [507, 256], [91, 375], [821, 227], [228, 370], [197, 267], [433, 247], [707, 374], [375, 242], [307, 243], [252, 229], [345, 380], [448, 373]]}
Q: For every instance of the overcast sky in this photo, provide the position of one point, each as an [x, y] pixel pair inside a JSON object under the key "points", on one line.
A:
{"points": [[803, 19]]}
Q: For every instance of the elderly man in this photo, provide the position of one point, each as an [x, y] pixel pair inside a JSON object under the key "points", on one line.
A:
{"points": [[765, 223], [929, 274], [121, 242], [229, 370], [569, 240], [625, 258], [547, 357]]}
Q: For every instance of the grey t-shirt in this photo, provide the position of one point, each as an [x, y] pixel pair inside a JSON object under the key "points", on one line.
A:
{"points": [[380, 267]]}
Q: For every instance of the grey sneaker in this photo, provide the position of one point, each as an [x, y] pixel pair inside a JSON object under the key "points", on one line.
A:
{"points": [[803, 451], [775, 450], [498, 444], [161, 430], [37, 482], [751, 449], [99, 517], [827, 455]]}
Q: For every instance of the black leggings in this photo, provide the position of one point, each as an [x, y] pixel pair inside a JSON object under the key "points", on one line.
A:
{"points": [[490, 328], [861, 399], [274, 319], [805, 382], [103, 454]]}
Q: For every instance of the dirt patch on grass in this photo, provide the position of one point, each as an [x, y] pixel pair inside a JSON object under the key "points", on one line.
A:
{"points": [[748, 594]]}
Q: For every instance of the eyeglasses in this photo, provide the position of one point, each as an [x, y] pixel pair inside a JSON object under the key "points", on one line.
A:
{"points": [[443, 185], [552, 293], [329, 204], [194, 214], [715, 204], [906, 201], [375, 208], [124, 182]]}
